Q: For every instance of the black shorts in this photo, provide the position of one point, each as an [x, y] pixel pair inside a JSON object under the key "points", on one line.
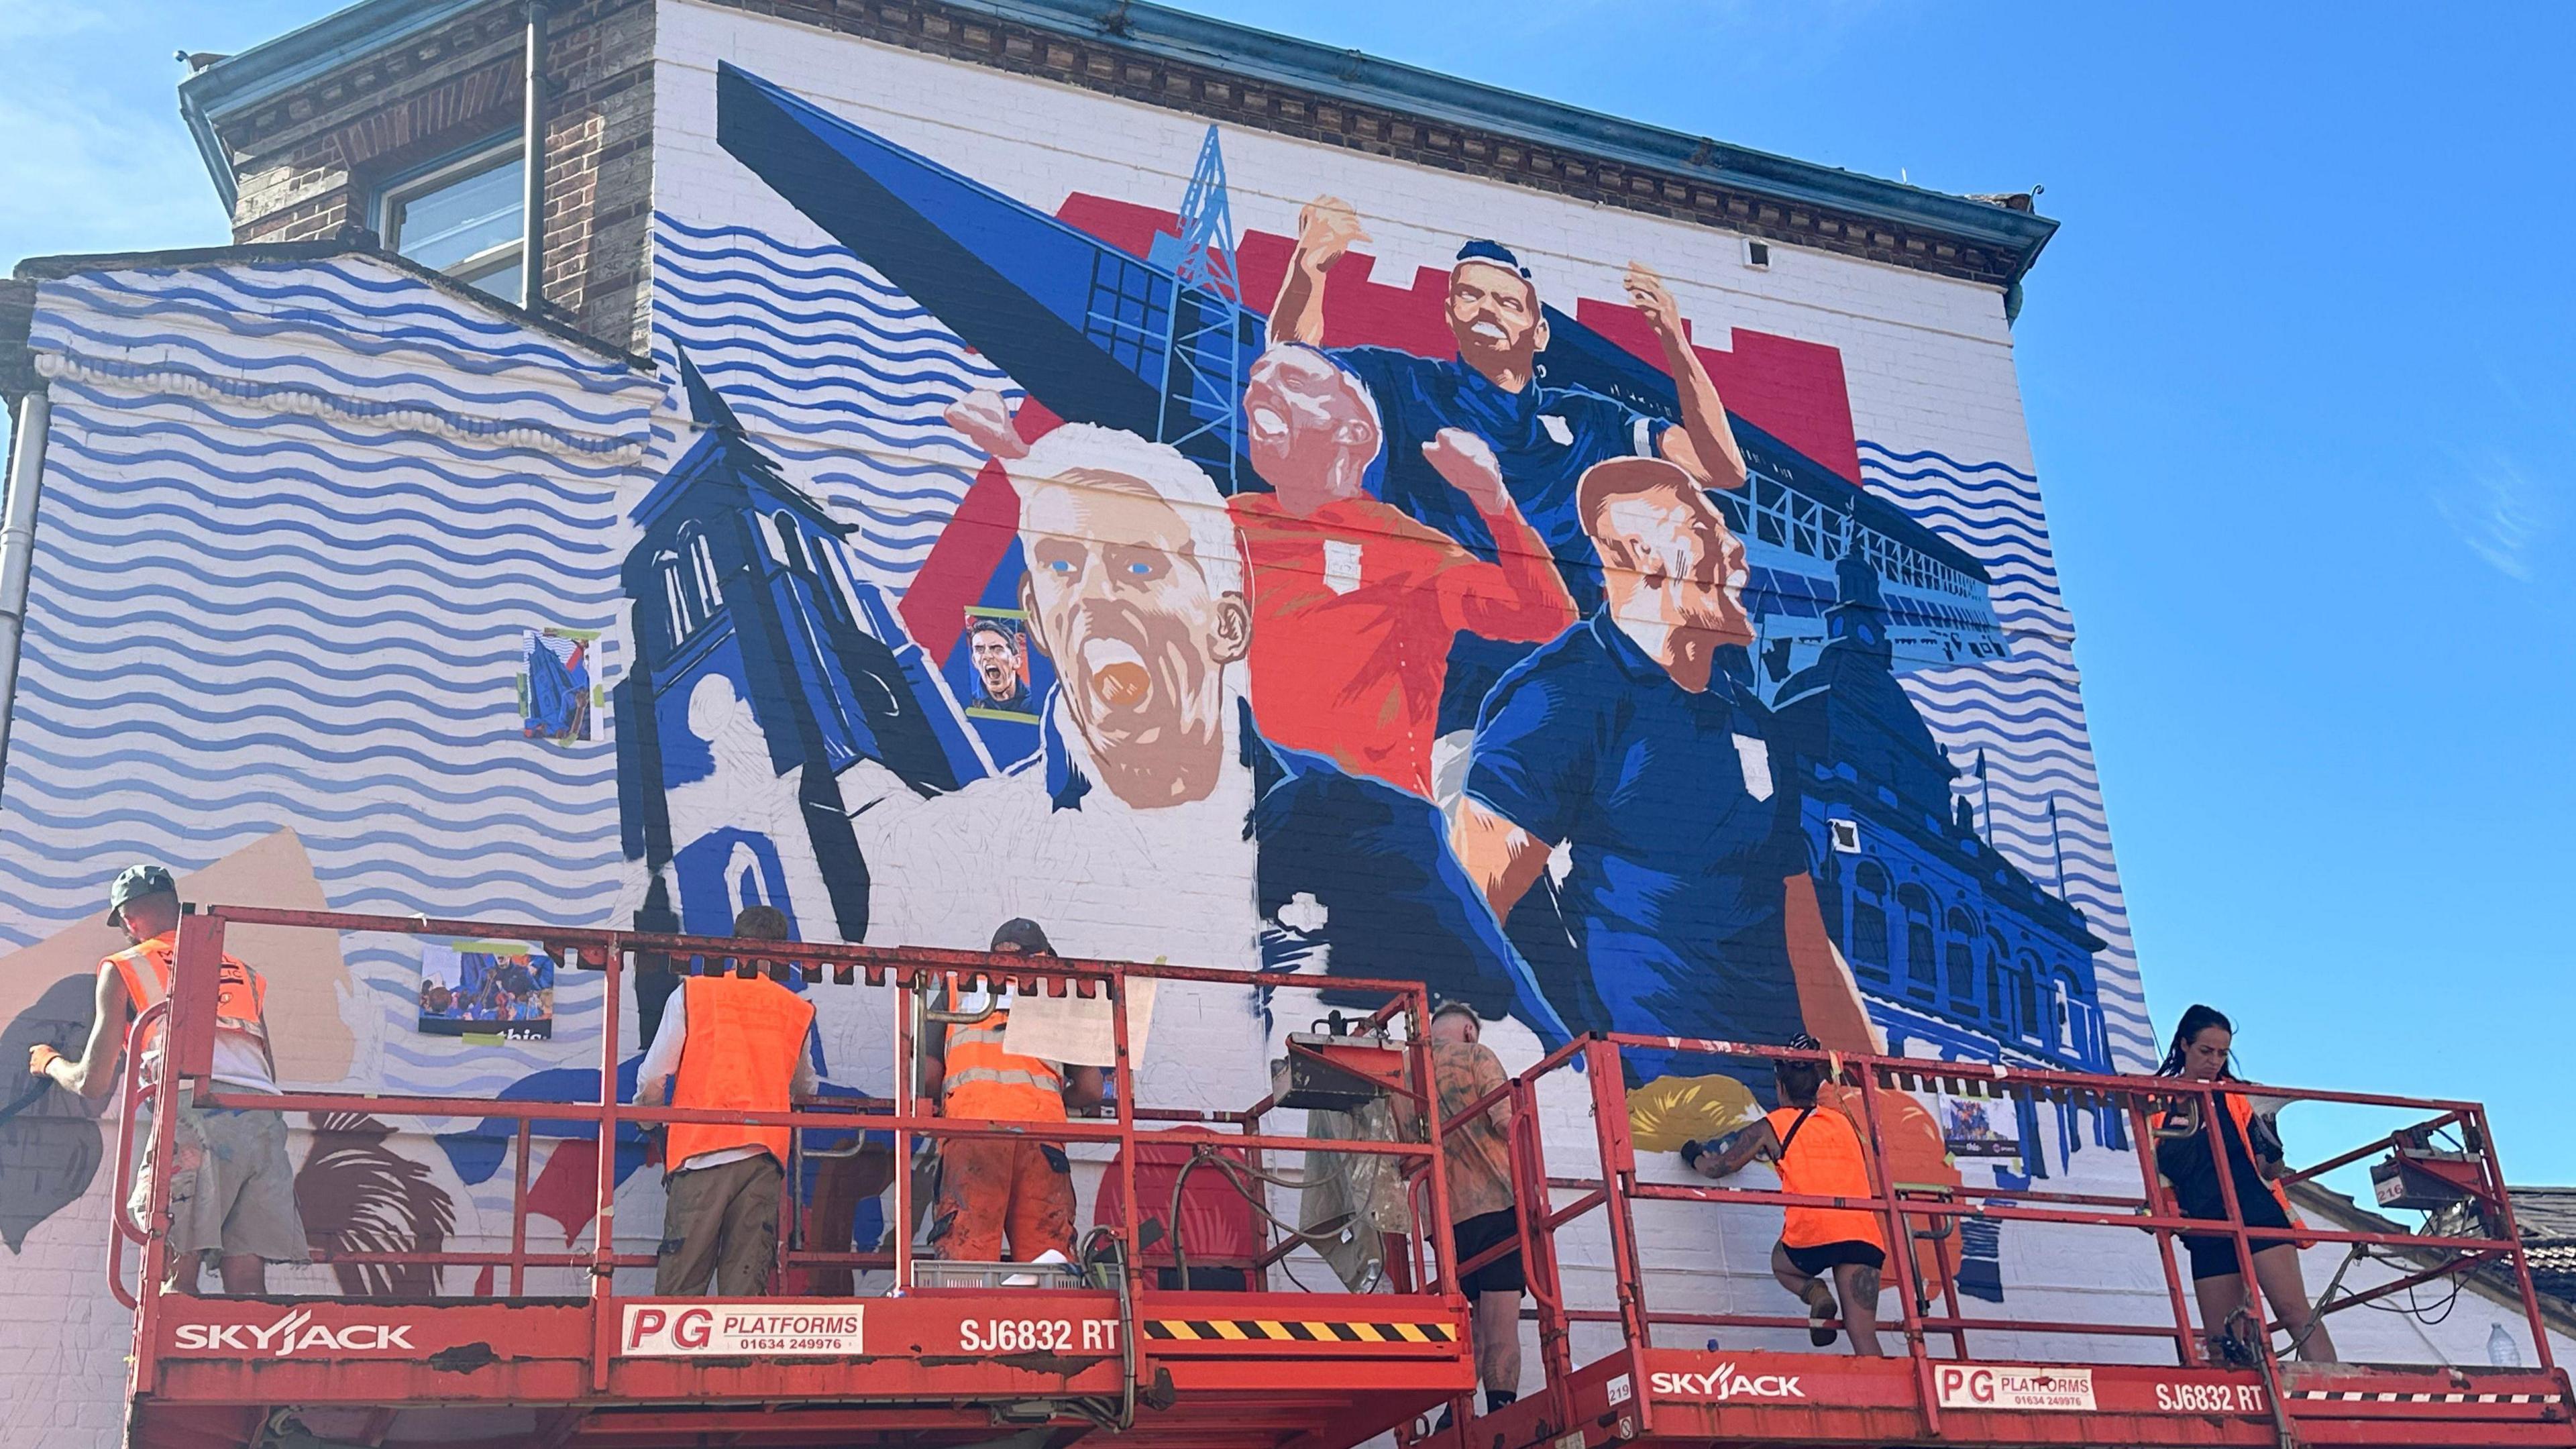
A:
{"points": [[1823, 1258], [2216, 1257], [2213, 1255], [1475, 1235]]}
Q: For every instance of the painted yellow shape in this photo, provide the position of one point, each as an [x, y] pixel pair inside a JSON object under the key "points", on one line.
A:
{"points": [[1668, 1111]]}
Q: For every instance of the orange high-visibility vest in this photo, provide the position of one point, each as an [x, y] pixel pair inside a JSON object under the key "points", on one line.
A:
{"points": [[2242, 1110], [740, 1053], [241, 994], [985, 1081], [1823, 1160]]}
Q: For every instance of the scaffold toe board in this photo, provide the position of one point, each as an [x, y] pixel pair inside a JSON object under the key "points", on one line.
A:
{"points": [[1709, 1398], [1321, 1370]]}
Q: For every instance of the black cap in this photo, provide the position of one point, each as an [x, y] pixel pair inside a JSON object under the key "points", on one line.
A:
{"points": [[1025, 934]]}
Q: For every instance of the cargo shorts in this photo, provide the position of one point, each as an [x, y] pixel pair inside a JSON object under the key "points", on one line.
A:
{"points": [[232, 1189]]}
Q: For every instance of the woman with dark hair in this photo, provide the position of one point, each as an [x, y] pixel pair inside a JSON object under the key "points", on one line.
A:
{"points": [[2201, 1044]]}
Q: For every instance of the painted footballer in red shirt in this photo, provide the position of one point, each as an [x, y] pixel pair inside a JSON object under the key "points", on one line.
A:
{"points": [[1354, 604]]}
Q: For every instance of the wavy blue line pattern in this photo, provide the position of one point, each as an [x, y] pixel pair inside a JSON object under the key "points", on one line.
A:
{"points": [[239, 310], [2025, 713], [248, 374], [841, 377], [245, 619], [535, 467], [347, 291]]}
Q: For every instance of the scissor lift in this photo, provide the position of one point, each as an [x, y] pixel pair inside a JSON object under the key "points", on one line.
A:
{"points": [[1110, 1353], [1941, 1384]]}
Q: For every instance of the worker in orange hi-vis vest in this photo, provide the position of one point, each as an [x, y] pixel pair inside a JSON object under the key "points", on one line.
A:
{"points": [[1819, 1154], [727, 1043], [232, 1190], [993, 1188]]}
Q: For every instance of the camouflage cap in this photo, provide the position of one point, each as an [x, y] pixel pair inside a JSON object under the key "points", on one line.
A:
{"points": [[135, 882]]}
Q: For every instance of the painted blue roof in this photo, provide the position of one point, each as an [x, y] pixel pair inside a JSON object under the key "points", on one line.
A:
{"points": [[273, 68]]}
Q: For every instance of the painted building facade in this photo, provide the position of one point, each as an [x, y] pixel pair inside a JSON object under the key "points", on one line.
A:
{"points": [[974, 463]]}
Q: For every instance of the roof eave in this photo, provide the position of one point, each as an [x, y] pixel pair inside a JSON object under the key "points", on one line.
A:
{"points": [[210, 147], [272, 67], [230, 86], [1355, 76]]}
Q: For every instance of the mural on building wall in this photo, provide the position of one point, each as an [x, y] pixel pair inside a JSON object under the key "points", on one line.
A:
{"points": [[1507, 641], [1198, 593]]}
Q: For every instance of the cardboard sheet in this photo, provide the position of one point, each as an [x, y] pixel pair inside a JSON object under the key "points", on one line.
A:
{"points": [[1078, 1031]]}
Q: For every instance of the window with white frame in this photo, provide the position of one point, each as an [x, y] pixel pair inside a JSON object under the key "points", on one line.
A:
{"points": [[465, 219]]}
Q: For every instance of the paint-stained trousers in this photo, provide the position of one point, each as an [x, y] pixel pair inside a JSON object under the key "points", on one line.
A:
{"points": [[720, 1222], [990, 1187]]}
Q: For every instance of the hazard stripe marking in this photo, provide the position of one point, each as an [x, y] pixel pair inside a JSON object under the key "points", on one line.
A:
{"points": [[2386, 1396], [1265, 1330]]}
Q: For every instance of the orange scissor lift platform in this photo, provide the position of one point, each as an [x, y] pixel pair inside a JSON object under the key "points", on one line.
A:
{"points": [[1111, 1353], [1949, 1377]]}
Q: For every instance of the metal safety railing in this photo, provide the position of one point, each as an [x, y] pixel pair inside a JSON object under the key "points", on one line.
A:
{"points": [[1921, 1221], [1421, 1264]]}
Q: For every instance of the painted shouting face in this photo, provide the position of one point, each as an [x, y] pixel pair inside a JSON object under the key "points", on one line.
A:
{"points": [[997, 662], [1493, 313], [1120, 602], [1312, 431]]}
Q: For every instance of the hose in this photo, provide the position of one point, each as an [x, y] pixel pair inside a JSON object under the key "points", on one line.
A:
{"points": [[1234, 1173]]}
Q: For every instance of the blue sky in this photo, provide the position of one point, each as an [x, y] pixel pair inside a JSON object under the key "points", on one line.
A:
{"points": [[2301, 379]]}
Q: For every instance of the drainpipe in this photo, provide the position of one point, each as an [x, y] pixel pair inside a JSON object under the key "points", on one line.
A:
{"points": [[532, 251], [18, 544]]}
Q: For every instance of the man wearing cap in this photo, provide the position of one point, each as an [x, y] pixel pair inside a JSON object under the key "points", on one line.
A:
{"points": [[727, 1043], [996, 1188], [1544, 437], [232, 1190], [1476, 1158], [1822, 1251]]}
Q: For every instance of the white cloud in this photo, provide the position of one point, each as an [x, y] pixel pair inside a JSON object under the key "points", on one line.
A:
{"points": [[2501, 513]]}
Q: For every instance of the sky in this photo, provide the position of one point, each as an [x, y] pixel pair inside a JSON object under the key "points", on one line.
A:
{"points": [[2300, 372]]}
